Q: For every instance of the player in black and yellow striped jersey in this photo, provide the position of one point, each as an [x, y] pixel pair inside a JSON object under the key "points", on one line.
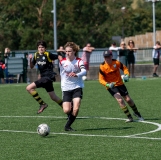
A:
{"points": [[43, 59]]}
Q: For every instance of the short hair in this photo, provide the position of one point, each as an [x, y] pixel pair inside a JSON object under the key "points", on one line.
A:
{"points": [[157, 42], [42, 42]]}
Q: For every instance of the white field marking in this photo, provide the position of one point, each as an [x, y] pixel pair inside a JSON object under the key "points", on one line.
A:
{"points": [[128, 136]]}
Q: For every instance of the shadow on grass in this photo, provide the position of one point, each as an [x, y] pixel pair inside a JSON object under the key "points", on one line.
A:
{"points": [[156, 119], [95, 129]]}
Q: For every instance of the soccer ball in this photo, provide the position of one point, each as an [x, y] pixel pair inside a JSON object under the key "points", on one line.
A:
{"points": [[43, 130], [84, 78]]}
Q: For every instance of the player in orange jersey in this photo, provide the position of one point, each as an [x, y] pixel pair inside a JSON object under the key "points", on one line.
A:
{"points": [[110, 77]]}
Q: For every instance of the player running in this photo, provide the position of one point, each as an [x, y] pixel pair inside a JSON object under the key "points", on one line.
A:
{"points": [[71, 70], [44, 61], [110, 77]]}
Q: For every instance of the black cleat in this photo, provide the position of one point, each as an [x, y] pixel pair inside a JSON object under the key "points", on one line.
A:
{"points": [[155, 75], [42, 107], [69, 129], [138, 115]]}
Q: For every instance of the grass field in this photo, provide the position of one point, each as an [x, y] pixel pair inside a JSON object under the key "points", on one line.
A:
{"points": [[102, 133]]}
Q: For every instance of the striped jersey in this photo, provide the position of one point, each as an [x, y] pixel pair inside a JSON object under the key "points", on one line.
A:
{"points": [[66, 67]]}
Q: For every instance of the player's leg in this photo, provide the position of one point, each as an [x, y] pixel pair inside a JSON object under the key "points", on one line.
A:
{"points": [[133, 107], [116, 93], [31, 89], [55, 98], [77, 96], [123, 106], [50, 89]]}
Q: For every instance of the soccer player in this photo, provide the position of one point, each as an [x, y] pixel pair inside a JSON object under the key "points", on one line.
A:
{"points": [[109, 76], [71, 70], [44, 61]]}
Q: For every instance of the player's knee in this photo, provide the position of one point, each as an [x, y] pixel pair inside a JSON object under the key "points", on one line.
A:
{"points": [[66, 110], [28, 88]]}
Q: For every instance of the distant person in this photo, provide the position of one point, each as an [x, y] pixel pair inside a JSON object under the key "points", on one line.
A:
{"points": [[131, 57], [61, 55], [109, 76], [156, 57], [87, 51], [114, 50], [2, 67], [7, 54], [43, 59], [123, 53]]}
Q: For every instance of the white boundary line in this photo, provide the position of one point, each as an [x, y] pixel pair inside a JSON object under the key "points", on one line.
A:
{"points": [[89, 135]]}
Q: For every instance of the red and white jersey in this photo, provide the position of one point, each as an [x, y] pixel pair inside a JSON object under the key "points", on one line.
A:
{"points": [[66, 67]]}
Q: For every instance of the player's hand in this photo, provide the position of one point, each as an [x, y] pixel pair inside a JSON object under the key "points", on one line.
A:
{"points": [[125, 78], [30, 56], [72, 74], [110, 85]]}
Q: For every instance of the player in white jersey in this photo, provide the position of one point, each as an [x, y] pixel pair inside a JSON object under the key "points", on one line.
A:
{"points": [[71, 71]]}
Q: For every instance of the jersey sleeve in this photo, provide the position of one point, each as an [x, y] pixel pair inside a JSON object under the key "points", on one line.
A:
{"points": [[102, 76], [82, 68], [53, 56]]}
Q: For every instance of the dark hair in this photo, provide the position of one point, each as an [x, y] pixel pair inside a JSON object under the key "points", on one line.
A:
{"points": [[131, 41], [157, 42], [114, 43], [42, 42]]}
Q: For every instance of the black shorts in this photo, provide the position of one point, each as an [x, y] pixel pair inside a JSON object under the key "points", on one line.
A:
{"points": [[156, 61], [1, 74], [131, 60], [69, 95], [45, 82], [119, 89]]}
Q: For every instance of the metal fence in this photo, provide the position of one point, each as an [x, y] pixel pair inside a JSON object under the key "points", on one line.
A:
{"points": [[141, 55]]}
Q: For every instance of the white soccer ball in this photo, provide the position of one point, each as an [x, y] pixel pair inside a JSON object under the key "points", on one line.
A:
{"points": [[43, 130], [84, 78]]}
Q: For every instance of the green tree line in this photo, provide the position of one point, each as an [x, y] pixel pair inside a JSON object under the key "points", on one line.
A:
{"points": [[24, 22]]}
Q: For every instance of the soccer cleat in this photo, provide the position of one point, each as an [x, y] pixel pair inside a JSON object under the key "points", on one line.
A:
{"points": [[130, 119], [42, 107], [69, 129], [138, 115], [155, 75]]}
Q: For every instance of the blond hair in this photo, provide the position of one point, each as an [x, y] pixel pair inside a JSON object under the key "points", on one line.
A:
{"points": [[72, 45]]}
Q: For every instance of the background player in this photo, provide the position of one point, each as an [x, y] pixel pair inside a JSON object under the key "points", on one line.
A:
{"points": [[45, 66]]}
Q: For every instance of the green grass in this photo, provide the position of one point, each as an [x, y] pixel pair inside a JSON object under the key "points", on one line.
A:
{"points": [[101, 129]]}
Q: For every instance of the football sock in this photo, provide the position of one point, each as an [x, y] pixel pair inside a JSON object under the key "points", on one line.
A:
{"points": [[126, 111], [37, 97], [71, 119], [60, 102], [134, 108]]}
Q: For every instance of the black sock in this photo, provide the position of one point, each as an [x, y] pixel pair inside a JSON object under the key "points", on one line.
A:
{"points": [[134, 108], [70, 121]]}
